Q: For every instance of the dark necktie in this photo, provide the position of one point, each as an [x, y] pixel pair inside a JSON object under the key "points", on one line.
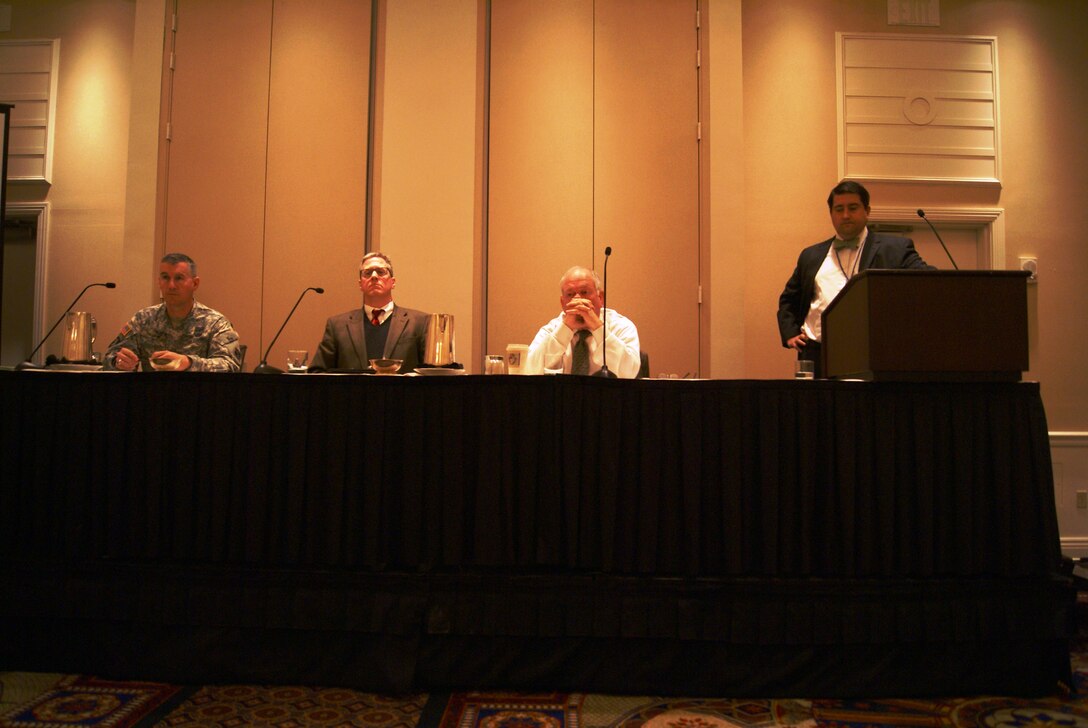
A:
{"points": [[579, 362], [376, 316]]}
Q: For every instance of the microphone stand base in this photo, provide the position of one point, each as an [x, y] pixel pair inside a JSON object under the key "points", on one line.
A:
{"points": [[24, 365], [263, 368], [604, 373]]}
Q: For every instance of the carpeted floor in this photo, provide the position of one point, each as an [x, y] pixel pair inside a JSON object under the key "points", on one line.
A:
{"points": [[78, 701], [36, 700]]}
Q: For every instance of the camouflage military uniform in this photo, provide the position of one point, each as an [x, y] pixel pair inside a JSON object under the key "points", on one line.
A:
{"points": [[205, 336]]}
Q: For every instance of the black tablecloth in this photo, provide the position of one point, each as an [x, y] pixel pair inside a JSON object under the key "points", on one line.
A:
{"points": [[444, 524]]}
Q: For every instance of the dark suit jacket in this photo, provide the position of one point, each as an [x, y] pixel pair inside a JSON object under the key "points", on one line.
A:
{"points": [[344, 343], [880, 251]]}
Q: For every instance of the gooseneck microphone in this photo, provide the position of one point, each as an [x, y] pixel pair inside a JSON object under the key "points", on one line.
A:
{"points": [[28, 364], [922, 214], [603, 371], [264, 367]]}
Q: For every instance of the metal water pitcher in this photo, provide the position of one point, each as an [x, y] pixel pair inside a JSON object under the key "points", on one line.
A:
{"points": [[80, 330], [438, 347]]}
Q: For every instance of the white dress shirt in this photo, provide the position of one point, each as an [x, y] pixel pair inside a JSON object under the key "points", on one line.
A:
{"points": [[551, 348], [838, 267]]}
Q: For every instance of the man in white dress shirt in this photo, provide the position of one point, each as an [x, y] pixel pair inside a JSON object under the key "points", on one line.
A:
{"points": [[575, 341]]}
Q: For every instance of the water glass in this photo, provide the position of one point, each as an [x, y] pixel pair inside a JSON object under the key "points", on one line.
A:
{"points": [[495, 364], [296, 359]]}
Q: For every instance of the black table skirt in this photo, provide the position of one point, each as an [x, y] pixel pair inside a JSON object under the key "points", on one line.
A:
{"points": [[532, 532]]}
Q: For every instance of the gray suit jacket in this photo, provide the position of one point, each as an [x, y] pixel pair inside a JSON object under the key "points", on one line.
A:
{"points": [[344, 343]]}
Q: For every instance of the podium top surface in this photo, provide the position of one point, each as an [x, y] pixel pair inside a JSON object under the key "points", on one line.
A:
{"points": [[921, 273]]}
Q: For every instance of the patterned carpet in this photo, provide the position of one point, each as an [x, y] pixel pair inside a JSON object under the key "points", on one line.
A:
{"points": [[245, 705], [35, 700], [603, 711], [76, 701]]}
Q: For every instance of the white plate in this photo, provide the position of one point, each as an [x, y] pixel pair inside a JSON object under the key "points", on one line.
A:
{"points": [[439, 372]]}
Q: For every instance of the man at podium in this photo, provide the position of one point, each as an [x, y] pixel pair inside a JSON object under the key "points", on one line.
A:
{"points": [[824, 268]]}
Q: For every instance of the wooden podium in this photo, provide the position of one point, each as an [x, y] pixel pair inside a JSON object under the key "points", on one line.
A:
{"points": [[921, 325]]}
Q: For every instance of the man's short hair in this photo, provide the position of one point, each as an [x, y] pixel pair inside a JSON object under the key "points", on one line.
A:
{"points": [[375, 254], [175, 258], [582, 271], [849, 187]]}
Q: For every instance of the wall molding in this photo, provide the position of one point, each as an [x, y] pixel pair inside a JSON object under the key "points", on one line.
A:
{"points": [[1070, 465], [1068, 439], [918, 108], [39, 212], [1075, 546], [990, 221], [28, 79]]}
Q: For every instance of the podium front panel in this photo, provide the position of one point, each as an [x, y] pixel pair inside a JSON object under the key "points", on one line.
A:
{"points": [[928, 325]]}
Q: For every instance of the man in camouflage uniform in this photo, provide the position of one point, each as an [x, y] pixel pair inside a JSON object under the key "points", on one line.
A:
{"points": [[179, 333]]}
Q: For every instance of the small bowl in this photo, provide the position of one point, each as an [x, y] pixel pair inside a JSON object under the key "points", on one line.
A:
{"points": [[386, 366], [163, 364]]}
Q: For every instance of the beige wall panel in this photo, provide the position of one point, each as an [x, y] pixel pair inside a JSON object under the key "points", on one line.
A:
{"points": [[723, 140], [87, 194], [317, 137], [216, 176], [541, 161], [28, 79], [904, 53], [889, 165], [904, 138], [646, 173], [961, 84], [108, 64], [933, 78], [889, 110], [1044, 101], [428, 159], [144, 145], [790, 155]]}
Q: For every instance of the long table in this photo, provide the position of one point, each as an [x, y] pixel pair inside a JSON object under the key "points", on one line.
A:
{"points": [[554, 532]]}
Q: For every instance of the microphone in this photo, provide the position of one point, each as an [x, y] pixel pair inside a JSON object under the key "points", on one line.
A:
{"points": [[264, 367], [922, 214], [28, 364], [603, 371]]}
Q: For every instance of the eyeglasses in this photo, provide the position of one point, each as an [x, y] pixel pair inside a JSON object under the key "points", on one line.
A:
{"points": [[371, 272], [584, 293]]}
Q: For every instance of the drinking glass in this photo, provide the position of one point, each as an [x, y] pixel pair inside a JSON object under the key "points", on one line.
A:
{"points": [[495, 364], [296, 359]]}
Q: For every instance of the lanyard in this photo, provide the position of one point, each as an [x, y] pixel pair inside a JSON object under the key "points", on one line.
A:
{"points": [[853, 266]]}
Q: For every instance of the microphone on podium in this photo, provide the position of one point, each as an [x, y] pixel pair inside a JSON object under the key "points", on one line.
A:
{"points": [[603, 371], [28, 364], [264, 367], [922, 214]]}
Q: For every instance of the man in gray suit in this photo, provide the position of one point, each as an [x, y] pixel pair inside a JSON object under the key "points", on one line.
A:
{"points": [[379, 330], [824, 268]]}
